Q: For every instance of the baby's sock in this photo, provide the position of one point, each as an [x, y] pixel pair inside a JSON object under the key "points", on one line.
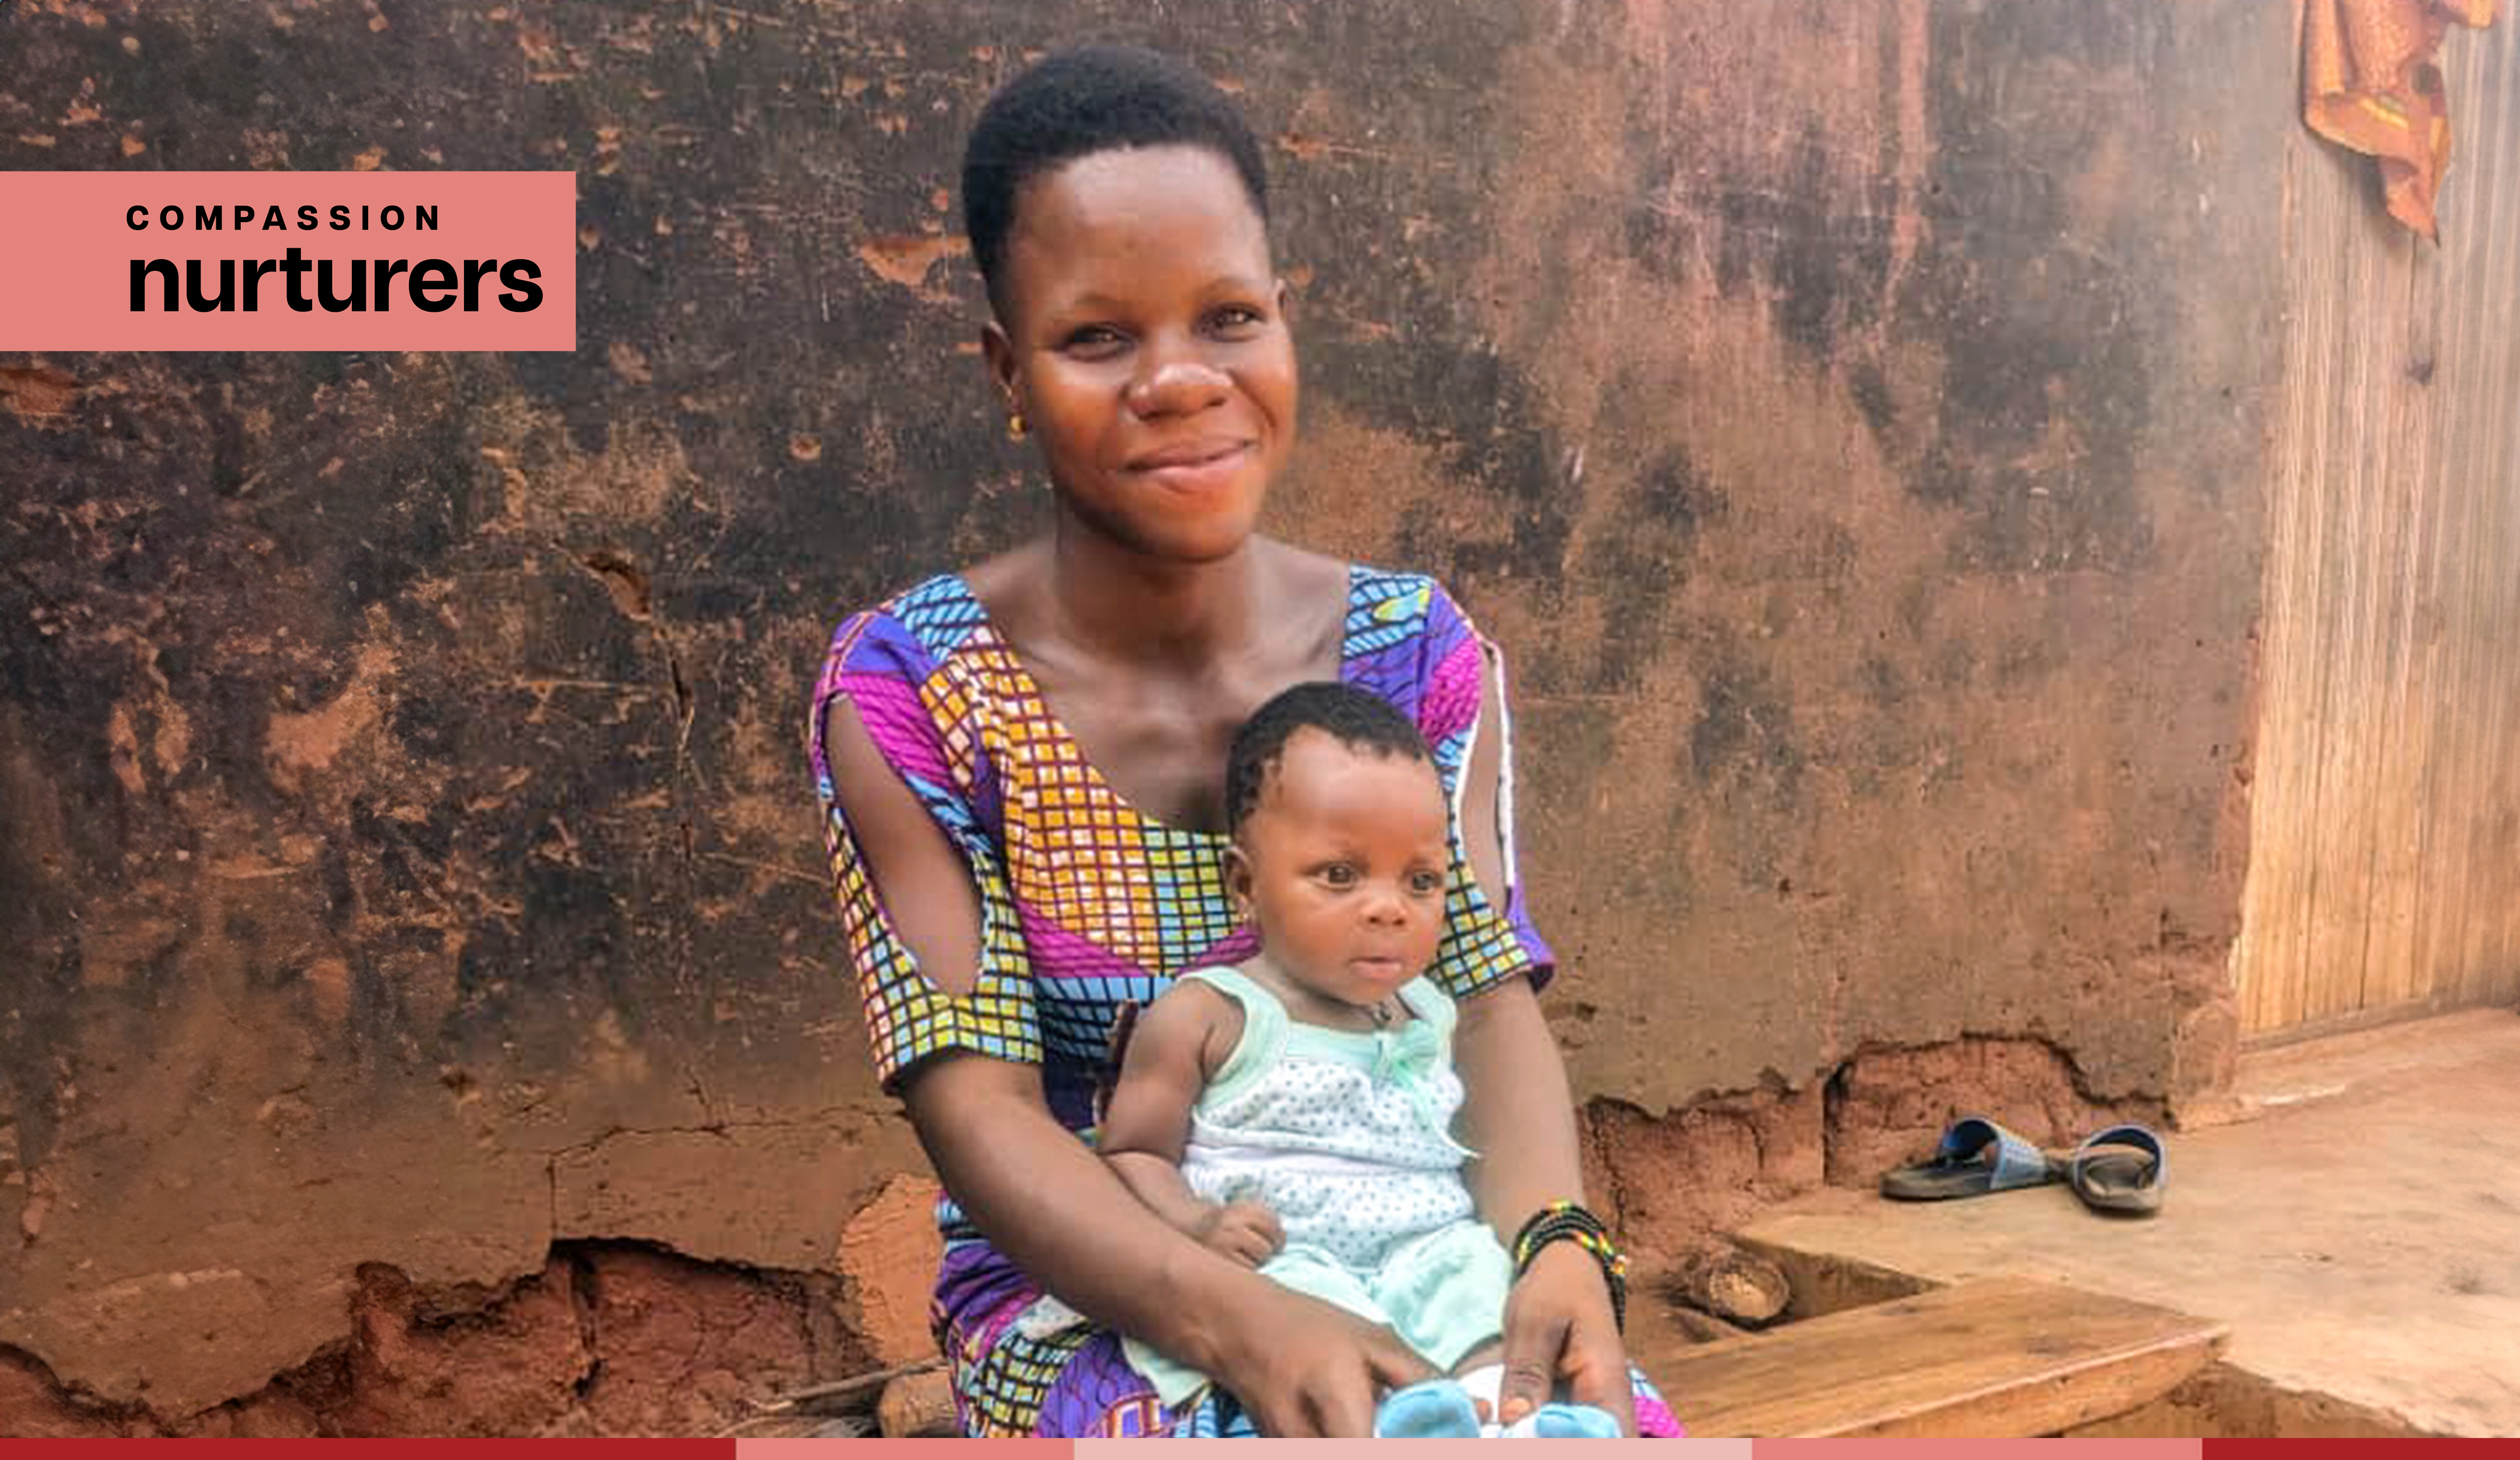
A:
{"points": [[1566, 1422], [1431, 1409], [1557, 1420]]}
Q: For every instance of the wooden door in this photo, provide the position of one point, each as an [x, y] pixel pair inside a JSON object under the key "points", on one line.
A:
{"points": [[2384, 875]]}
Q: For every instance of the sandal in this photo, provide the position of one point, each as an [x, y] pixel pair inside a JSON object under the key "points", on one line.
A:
{"points": [[2120, 1169], [1976, 1157]]}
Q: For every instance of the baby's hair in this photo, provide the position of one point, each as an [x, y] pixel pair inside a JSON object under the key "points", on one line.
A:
{"points": [[1360, 720], [1088, 99]]}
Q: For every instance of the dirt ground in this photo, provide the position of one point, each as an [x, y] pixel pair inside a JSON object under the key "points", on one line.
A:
{"points": [[2355, 1218]]}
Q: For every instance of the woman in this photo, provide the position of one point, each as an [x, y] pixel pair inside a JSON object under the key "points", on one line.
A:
{"points": [[1022, 770]]}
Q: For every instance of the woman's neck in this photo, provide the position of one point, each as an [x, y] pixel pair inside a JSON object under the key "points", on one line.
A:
{"points": [[1117, 605]]}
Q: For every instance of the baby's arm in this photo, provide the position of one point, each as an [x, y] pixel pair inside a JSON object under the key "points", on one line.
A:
{"points": [[1176, 1047]]}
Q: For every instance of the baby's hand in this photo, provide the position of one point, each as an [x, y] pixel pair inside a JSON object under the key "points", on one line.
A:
{"points": [[1245, 1231]]}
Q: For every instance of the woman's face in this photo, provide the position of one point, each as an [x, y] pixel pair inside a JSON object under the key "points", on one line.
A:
{"points": [[1142, 334]]}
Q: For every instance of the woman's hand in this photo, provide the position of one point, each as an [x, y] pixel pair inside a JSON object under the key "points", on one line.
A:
{"points": [[1306, 1370], [1560, 1329]]}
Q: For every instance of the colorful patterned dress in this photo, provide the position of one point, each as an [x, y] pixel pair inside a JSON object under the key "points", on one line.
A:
{"points": [[1087, 907]]}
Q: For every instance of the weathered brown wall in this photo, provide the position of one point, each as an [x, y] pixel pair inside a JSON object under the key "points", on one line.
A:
{"points": [[1848, 412]]}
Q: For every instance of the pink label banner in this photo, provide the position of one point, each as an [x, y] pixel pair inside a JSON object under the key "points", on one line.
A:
{"points": [[288, 260]]}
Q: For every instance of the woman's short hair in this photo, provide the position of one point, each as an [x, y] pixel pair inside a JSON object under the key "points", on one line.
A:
{"points": [[1078, 102]]}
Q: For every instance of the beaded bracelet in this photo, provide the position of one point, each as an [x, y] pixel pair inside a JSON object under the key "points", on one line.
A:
{"points": [[1566, 1221]]}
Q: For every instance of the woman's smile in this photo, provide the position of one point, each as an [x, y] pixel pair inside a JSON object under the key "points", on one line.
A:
{"points": [[1205, 467]]}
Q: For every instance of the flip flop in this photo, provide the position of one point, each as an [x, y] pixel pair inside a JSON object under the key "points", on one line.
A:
{"points": [[1976, 1157], [2119, 1169]]}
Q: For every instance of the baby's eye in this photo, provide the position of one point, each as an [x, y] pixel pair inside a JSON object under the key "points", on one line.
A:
{"points": [[1339, 875], [1426, 883]]}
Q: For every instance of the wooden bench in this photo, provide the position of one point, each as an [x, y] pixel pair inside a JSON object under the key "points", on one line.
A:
{"points": [[1984, 1360]]}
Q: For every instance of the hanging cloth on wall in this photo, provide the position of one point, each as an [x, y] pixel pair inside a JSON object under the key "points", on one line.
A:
{"points": [[2370, 83]]}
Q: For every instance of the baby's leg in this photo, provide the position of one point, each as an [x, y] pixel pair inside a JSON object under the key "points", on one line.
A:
{"points": [[1450, 1287], [1434, 1409], [1480, 1372], [1481, 1376]]}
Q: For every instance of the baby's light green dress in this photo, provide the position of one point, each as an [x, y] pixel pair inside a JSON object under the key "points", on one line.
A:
{"points": [[1347, 1137]]}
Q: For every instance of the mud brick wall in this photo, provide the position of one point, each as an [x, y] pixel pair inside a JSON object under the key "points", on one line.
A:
{"points": [[1848, 413]]}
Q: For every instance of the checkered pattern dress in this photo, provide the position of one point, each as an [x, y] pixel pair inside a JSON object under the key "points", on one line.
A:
{"points": [[1088, 906]]}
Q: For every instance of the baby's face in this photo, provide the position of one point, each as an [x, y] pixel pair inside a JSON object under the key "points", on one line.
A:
{"points": [[1344, 860]]}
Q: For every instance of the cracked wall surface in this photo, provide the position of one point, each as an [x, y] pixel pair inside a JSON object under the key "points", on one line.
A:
{"points": [[1848, 418]]}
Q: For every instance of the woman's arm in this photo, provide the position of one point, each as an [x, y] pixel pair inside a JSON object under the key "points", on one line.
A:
{"points": [[1042, 1197], [1559, 1324], [1520, 1113], [1048, 1201], [1521, 1110]]}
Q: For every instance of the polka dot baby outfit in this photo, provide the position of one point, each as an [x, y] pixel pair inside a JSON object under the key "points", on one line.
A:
{"points": [[1346, 1136]]}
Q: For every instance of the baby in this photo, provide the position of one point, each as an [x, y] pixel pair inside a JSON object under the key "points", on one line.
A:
{"points": [[1295, 1112]]}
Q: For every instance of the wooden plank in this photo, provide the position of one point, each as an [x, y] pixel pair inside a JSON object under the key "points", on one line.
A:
{"points": [[2496, 880], [2269, 953], [1986, 1359], [2409, 719], [1657, 1326], [2476, 412]]}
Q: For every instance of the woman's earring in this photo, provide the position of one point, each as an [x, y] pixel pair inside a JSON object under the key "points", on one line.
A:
{"points": [[1016, 427]]}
